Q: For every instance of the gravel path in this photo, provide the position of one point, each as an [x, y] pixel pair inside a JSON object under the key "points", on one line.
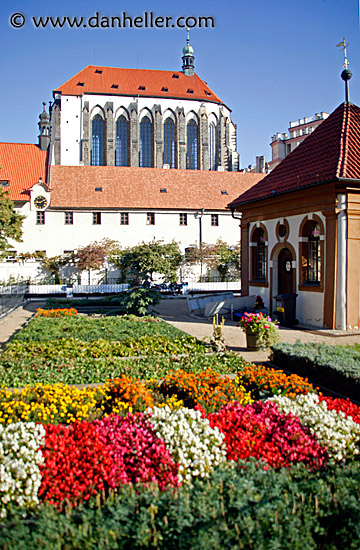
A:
{"points": [[176, 312]]}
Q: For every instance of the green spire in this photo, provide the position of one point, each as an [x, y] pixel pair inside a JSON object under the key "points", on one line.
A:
{"points": [[188, 57]]}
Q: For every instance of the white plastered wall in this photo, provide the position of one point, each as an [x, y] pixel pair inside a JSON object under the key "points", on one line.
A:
{"points": [[309, 305]]}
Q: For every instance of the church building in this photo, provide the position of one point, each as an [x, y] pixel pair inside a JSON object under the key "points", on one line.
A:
{"points": [[130, 155]]}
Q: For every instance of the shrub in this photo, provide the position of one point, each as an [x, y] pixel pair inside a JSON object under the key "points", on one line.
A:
{"points": [[244, 507], [337, 367]]}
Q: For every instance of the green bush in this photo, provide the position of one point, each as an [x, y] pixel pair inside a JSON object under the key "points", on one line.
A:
{"points": [[78, 370], [336, 367], [42, 329], [241, 508]]}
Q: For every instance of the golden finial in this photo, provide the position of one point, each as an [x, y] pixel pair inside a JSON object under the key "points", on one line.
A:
{"points": [[343, 47]]}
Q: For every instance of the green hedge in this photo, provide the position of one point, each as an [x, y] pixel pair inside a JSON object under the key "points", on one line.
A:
{"points": [[336, 367], [77, 370], [244, 508], [41, 329]]}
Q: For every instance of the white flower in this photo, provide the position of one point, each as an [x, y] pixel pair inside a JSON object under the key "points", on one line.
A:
{"points": [[191, 441], [340, 435], [20, 458]]}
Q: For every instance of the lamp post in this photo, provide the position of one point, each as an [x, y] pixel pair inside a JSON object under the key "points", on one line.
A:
{"points": [[199, 215]]}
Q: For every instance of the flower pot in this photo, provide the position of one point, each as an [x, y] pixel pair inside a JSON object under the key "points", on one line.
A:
{"points": [[253, 341]]}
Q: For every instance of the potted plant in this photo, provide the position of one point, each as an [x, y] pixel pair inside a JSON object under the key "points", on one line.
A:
{"points": [[261, 331]]}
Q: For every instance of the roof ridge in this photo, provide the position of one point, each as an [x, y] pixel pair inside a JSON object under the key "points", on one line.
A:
{"points": [[342, 161]]}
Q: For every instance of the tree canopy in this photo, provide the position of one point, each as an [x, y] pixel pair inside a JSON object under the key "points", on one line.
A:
{"points": [[10, 222], [221, 256], [145, 259]]}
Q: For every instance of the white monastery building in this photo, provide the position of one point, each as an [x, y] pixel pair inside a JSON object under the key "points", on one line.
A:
{"points": [[130, 155]]}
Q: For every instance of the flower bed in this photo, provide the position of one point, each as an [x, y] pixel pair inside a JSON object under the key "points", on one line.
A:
{"points": [[59, 312], [196, 457]]}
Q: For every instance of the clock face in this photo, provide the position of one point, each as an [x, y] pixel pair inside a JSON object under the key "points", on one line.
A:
{"points": [[40, 202]]}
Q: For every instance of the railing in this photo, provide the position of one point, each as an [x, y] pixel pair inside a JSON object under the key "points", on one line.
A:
{"points": [[12, 296]]}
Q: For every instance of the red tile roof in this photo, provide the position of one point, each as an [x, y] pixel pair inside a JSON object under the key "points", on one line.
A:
{"points": [[22, 164], [137, 82], [332, 151], [74, 187]]}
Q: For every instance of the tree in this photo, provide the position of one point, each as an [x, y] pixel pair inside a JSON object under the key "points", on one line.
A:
{"points": [[145, 259], [53, 265], [221, 256], [10, 222], [93, 256]]}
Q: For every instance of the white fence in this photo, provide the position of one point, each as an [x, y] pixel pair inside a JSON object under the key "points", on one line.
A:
{"points": [[234, 286], [77, 289], [120, 287]]}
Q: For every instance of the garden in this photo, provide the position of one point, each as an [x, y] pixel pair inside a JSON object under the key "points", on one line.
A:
{"points": [[124, 432]]}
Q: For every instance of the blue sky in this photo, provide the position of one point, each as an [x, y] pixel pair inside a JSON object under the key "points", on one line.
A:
{"points": [[270, 61]]}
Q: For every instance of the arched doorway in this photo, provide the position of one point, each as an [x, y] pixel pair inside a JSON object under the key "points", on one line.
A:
{"points": [[285, 272]]}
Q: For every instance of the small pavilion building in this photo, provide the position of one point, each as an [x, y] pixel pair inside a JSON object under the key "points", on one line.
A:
{"points": [[300, 226]]}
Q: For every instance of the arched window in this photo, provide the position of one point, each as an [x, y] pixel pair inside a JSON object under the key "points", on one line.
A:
{"points": [[122, 142], [192, 146], [258, 255], [313, 254], [98, 141], [311, 248], [212, 146], [146, 143], [169, 143]]}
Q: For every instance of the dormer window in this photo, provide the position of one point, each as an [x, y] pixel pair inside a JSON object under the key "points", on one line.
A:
{"points": [[141, 88], [116, 86], [4, 183], [98, 71], [207, 93], [163, 89], [80, 84], [175, 75], [190, 91]]}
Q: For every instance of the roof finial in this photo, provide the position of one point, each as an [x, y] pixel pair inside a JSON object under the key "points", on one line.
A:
{"points": [[346, 74], [343, 47]]}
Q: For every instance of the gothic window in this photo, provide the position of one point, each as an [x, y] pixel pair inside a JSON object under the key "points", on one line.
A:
{"points": [[212, 146], [169, 143], [192, 146], [258, 255], [122, 142], [146, 133], [98, 141]]}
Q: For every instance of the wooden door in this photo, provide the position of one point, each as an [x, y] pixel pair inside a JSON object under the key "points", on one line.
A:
{"points": [[285, 272]]}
